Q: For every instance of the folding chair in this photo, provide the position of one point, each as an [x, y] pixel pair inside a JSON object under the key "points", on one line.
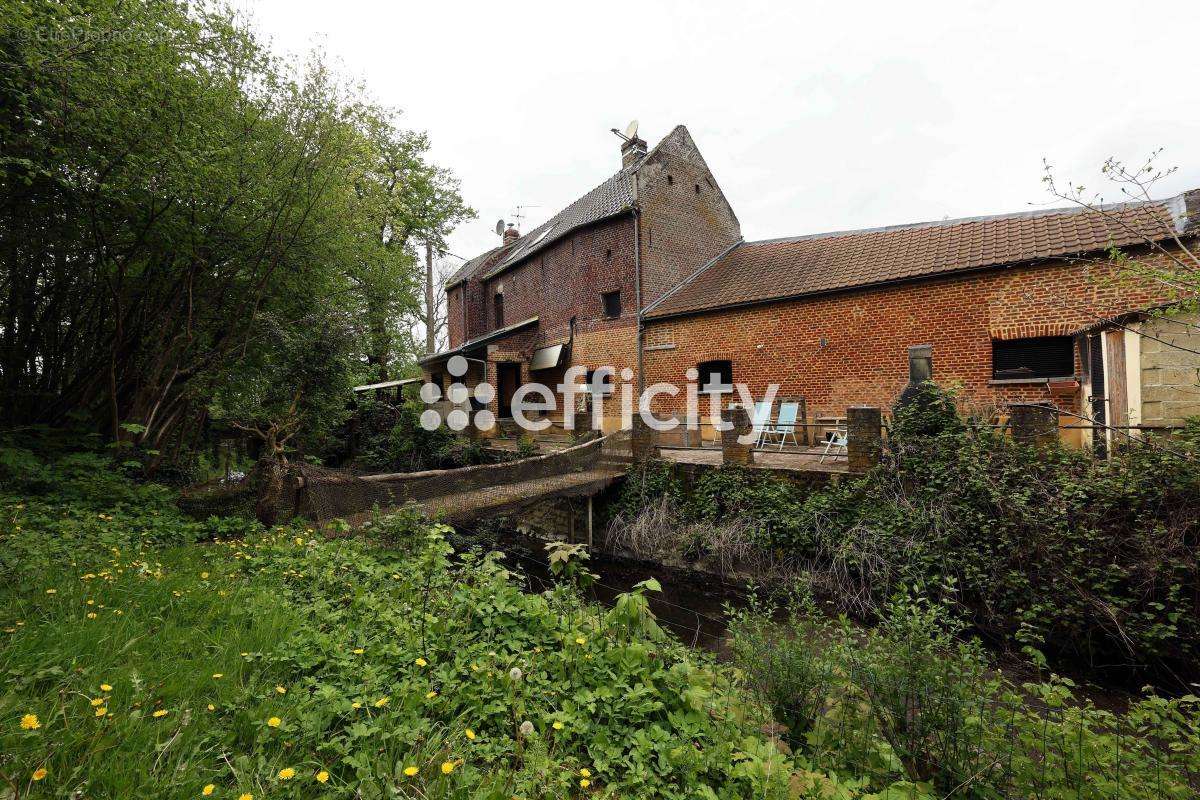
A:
{"points": [[837, 439]]}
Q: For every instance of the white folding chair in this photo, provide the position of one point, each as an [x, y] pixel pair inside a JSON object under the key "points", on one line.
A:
{"points": [[838, 438]]}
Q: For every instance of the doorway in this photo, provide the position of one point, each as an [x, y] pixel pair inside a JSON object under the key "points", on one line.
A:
{"points": [[508, 378]]}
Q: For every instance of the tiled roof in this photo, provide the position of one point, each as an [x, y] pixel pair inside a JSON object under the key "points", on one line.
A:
{"points": [[614, 196], [753, 272]]}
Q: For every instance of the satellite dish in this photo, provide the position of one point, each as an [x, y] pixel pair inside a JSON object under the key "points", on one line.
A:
{"points": [[499, 227], [631, 130]]}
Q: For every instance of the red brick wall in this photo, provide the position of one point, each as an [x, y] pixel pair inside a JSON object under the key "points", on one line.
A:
{"points": [[566, 279], [685, 220], [851, 348]]}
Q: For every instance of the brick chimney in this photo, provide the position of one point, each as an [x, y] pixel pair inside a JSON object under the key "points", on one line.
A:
{"points": [[511, 234], [631, 151]]}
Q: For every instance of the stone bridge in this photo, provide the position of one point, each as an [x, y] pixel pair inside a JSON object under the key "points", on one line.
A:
{"points": [[460, 495]]}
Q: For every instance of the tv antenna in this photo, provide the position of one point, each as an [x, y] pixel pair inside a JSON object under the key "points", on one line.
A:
{"points": [[519, 214], [630, 132]]}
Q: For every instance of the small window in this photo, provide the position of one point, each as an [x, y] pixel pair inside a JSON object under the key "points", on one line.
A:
{"points": [[612, 304], [601, 383], [1035, 358], [498, 309], [920, 364], [715, 376]]}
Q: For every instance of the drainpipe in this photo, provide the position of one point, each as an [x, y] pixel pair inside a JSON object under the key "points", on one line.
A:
{"points": [[637, 290]]}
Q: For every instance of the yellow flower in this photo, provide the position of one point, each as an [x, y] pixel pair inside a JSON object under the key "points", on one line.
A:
{"points": [[274, 722], [101, 711], [358, 651], [558, 726], [211, 707], [203, 576], [447, 767], [218, 675], [420, 662], [39, 773], [470, 734], [584, 783], [322, 776], [585, 772], [430, 695], [356, 704], [208, 789], [30, 722], [286, 774], [91, 602], [410, 771], [104, 687], [51, 591], [245, 796], [280, 690], [162, 712], [91, 615], [381, 702], [580, 640]]}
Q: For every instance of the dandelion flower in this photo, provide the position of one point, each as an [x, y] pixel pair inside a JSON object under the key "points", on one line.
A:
{"points": [[420, 662], [558, 726], [104, 687], [322, 776], [52, 591], [162, 712], [580, 640], [286, 774], [447, 767], [584, 783], [356, 704], [245, 796], [358, 651], [101, 711], [381, 702], [280, 690], [515, 674], [39, 773], [410, 771], [430, 695], [585, 772], [203, 576], [526, 728], [218, 675], [274, 722], [30, 722], [91, 615], [99, 701], [208, 789], [470, 734]]}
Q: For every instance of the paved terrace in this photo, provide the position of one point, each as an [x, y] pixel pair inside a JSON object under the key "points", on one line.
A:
{"points": [[790, 459]]}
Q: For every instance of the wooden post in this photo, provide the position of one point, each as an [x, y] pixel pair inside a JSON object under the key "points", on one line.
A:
{"points": [[589, 522], [864, 437]]}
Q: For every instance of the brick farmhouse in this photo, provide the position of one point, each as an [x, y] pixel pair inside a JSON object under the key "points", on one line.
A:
{"points": [[648, 273]]}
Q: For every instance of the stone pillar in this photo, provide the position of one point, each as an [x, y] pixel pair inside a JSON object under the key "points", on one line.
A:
{"points": [[864, 437], [1033, 423], [737, 422], [642, 441]]}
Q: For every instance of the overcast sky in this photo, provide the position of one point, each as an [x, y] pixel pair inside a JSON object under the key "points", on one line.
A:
{"points": [[812, 116]]}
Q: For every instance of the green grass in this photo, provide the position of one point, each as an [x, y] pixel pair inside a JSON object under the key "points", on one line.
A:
{"points": [[389, 650]]}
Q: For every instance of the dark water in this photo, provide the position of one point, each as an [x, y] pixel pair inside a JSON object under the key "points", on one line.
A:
{"points": [[691, 605]]}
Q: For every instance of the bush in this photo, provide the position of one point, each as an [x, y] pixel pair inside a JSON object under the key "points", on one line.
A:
{"points": [[911, 704]]}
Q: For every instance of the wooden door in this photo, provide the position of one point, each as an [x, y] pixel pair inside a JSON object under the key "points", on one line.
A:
{"points": [[508, 377]]}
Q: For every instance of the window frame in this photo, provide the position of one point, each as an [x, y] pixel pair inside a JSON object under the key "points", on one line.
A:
{"points": [[498, 310], [604, 309], [1007, 374], [705, 370]]}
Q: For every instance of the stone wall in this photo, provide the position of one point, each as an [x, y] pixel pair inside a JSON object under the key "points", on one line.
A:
{"points": [[1170, 374]]}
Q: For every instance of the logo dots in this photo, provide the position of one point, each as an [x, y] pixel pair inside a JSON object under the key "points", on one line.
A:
{"points": [[458, 394]]}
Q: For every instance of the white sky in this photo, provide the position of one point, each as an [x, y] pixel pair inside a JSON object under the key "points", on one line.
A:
{"points": [[813, 117]]}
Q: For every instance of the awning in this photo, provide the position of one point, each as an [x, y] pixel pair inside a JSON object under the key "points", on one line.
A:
{"points": [[478, 341], [386, 384], [547, 357]]}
